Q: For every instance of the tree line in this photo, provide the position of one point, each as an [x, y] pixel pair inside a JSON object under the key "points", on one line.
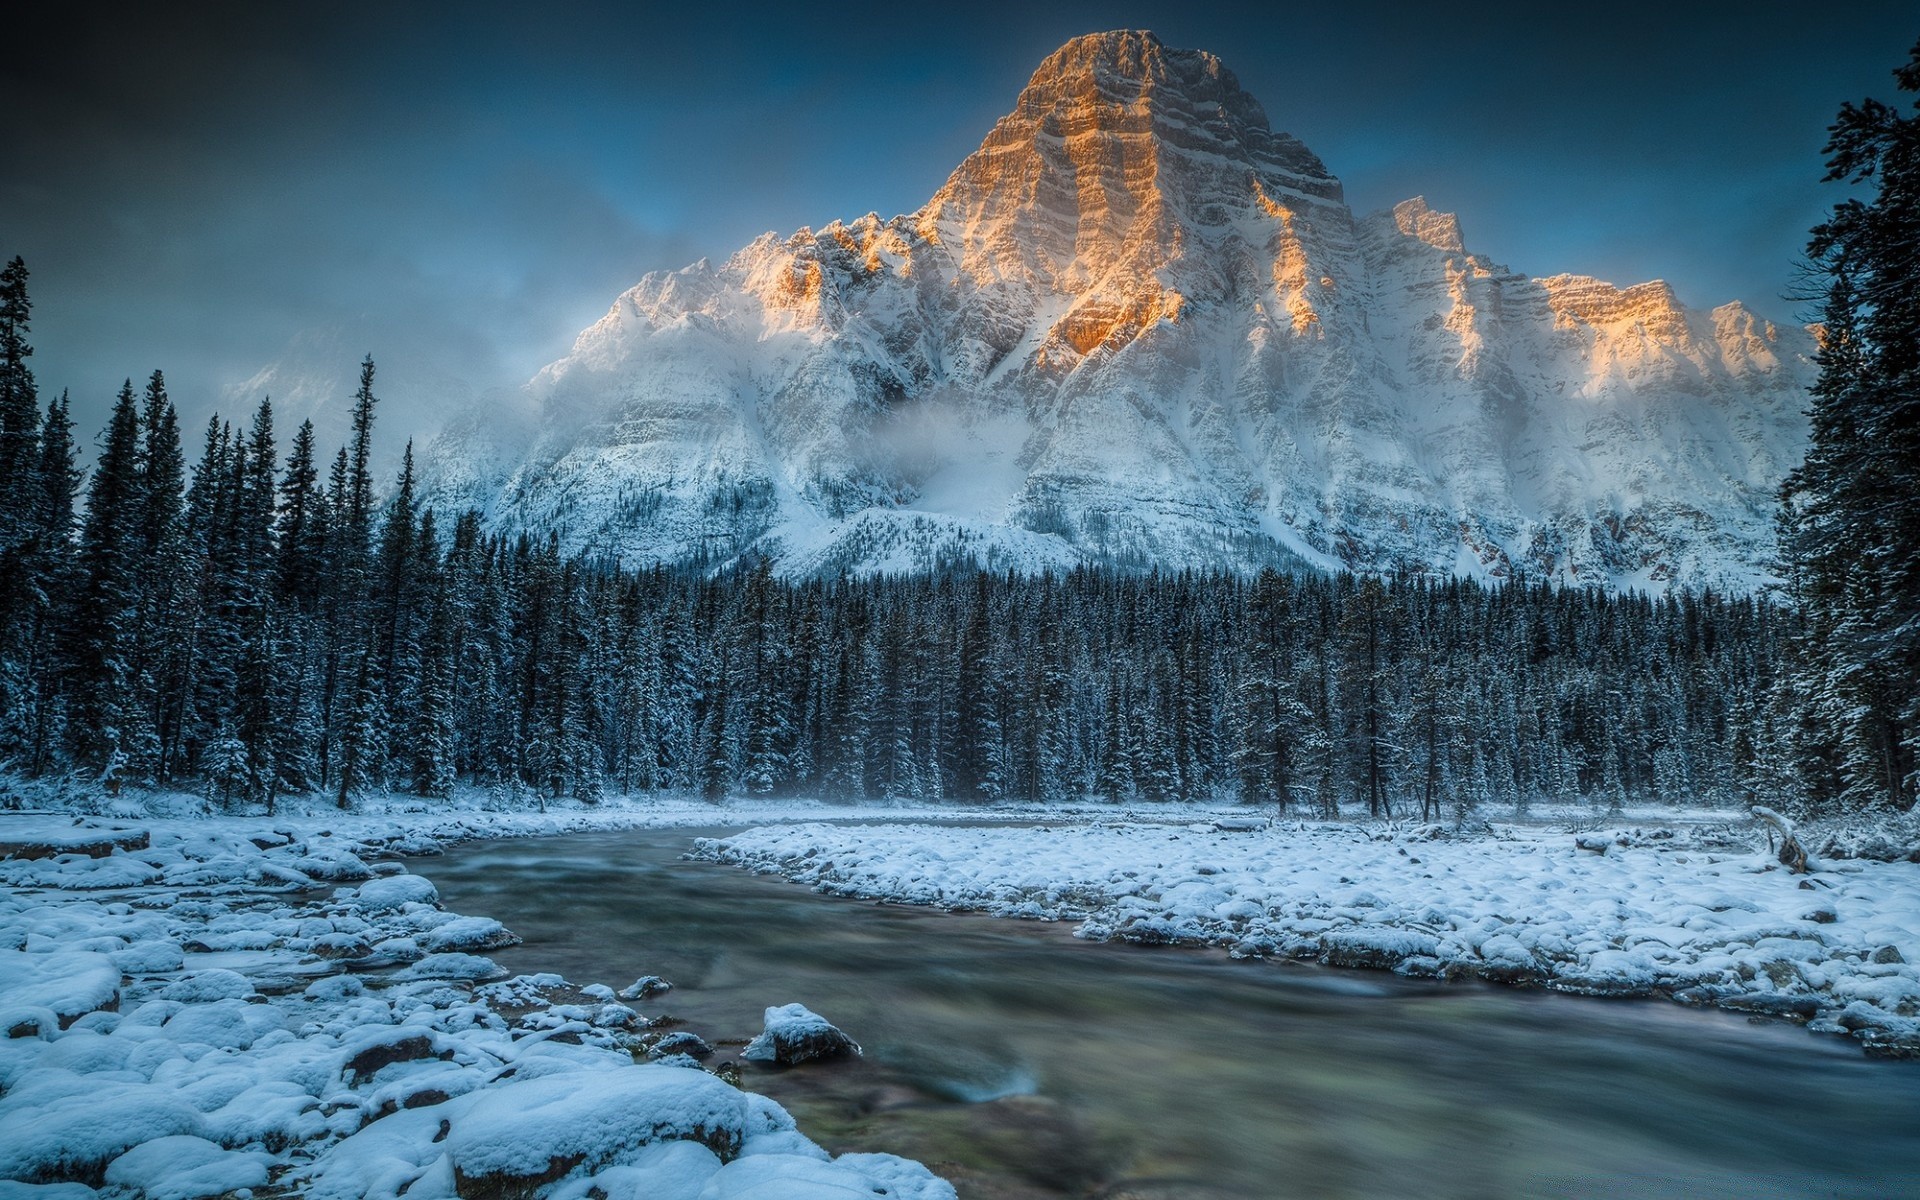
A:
{"points": [[268, 622]]}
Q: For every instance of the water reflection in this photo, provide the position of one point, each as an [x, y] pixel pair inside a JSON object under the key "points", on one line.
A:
{"points": [[1023, 1063]]}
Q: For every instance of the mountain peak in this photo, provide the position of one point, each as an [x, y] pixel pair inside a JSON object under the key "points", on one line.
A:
{"points": [[1416, 219], [1140, 327], [1117, 57], [1119, 152]]}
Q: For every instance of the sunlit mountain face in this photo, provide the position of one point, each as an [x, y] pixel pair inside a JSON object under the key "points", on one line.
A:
{"points": [[1140, 327]]}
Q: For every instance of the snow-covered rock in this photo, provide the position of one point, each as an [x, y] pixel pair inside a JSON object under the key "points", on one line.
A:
{"points": [[795, 1034], [395, 891], [184, 1167], [1138, 326]]}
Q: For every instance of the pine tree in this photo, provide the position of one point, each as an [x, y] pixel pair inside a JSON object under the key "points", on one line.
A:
{"points": [[1369, 628], [32, 664], [19, 409], [21, 568], [98, 631], [1850, 520], [164, 646], [353, 692], [430, 735]]}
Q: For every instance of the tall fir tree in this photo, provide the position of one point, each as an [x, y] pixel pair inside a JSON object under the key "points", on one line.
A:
{"points": [[1850, 520], [98, 629]]}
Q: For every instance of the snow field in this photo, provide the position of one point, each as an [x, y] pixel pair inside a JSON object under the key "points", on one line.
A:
{"points": [[241, 1005], [1672, 916]]}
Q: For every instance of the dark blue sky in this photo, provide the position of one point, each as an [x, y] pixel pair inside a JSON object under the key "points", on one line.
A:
{"points": [[211, 189]]}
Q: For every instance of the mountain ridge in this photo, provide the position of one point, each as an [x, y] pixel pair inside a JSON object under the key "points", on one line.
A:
{"points": [[1138, 327]]}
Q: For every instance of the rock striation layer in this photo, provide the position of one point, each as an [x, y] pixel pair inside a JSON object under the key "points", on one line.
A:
{"points": [[1139, 327]]}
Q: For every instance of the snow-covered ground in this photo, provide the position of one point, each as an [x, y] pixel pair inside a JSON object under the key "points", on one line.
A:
{"points": [[199, 1004], [1690, 912], [202, 1007]]}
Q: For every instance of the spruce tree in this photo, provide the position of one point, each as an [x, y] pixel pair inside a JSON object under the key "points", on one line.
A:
{"points": [[164, 638], [32, 726], [19, 408], [1851, 514], [98, 630]]}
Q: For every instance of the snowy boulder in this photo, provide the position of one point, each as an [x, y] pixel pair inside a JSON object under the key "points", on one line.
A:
{"points": [[334, 866], [804, 1176], [794, 1034], [341, 945], [690, 1044], [184, 1167], [1375, 946], [390, 952], [204, 987], [223, 1024], [517, 1137], [471, 934], [371, 1052], [1505, 959], [29, 1021], [149, 957], [645, 988], [466, 968], [393, 893], [522, 991], [898, 1178], [61, 1125], [71, 983]]}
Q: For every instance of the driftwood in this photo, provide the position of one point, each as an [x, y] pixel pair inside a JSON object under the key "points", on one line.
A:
{"points": [[1792, 856]]}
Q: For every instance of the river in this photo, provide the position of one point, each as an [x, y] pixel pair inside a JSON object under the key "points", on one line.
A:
{"points": [[1022, 1063]]}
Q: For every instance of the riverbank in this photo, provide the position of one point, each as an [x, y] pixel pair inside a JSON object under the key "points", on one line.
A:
{"points": [[1692, 913], [197, 1007]]}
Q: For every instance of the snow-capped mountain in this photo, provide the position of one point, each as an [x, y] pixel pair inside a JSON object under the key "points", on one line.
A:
{"points": [[1138, 326]]}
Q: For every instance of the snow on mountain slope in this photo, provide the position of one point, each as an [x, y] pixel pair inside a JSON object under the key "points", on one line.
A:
{"points": [[1139, 327]]}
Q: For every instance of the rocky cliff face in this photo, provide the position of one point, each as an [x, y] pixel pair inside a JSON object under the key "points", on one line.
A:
{"points": [[1139, 327]]}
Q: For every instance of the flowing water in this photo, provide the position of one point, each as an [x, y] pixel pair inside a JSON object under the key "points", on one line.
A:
{"points": [[1020, 1062]]}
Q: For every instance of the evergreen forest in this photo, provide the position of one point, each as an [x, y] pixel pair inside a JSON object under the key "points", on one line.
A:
{"points": [[270, 621]]}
